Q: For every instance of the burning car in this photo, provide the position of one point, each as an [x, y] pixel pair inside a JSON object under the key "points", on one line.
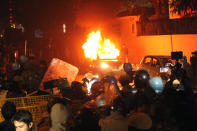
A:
{"points": [[106, 66], [103, 54]]}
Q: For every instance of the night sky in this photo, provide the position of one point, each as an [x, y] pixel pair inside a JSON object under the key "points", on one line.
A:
{"points": [[33, 12], [80, 16]]}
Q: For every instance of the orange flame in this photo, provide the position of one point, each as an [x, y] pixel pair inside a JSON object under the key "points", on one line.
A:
{"points": [[95, 47]]}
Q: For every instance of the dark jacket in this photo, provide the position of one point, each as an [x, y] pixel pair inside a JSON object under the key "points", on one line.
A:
{"points": [[7, 126]]}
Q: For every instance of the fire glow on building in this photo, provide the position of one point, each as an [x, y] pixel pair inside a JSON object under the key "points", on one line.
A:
{"points": [[97, 47]]}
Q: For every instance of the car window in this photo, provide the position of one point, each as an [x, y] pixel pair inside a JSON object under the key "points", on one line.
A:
{"points": [[155, 62], [166, 60], [147, 60]]}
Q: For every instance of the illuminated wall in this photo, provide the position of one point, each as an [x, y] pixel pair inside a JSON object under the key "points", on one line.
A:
{"points": [[164, 44], [138, 46]]}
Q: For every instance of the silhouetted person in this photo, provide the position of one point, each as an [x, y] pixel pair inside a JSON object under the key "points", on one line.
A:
{"points": [[7, 111]]}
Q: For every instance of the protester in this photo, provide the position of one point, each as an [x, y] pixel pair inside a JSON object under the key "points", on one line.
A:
{"points": [[15, 90], [7, 111], [116, 121], [77, 91], [59, 117], [45, 122], [86, 120], [23, 121], [139, 121], [141, 103]]}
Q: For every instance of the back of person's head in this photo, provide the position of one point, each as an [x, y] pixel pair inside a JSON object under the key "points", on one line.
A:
{"points": [[76, 84], [23, 116], [8, 110], [59, 116], [124, 80], [78, 92], [142, 78], [86, 120], [140, 121], [53, 101], [118, 105]]}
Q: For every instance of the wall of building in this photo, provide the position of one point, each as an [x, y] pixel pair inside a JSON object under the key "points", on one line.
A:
{"points": [[138, 46]]}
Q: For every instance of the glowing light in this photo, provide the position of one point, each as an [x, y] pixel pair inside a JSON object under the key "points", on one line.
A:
{"points": [[97, 47], [89, 85], [64, 28], [13, 26], [15, 56], [104, 65], [144, 77], [176, 82], [96, 76]]}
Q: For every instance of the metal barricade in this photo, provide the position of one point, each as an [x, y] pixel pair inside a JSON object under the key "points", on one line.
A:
{"points": [[34, 104]]}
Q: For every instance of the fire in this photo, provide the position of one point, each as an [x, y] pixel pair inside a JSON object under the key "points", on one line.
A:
{"points": [[96, 46]]}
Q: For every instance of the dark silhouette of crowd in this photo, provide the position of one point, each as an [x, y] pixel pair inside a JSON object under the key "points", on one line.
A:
{"points": [[133, 101]]}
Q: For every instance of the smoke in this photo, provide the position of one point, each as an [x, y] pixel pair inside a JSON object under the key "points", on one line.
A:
{"points": [[97, 13]]}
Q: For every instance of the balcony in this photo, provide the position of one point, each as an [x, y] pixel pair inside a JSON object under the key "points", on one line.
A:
{"points": [[166, 27]]}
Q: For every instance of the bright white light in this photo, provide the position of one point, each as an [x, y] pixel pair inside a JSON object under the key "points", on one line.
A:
{"points": [[96, 76], [64, 28], [104, 65], [165, 69], [89, 85], [176, 82], [144, 77]]}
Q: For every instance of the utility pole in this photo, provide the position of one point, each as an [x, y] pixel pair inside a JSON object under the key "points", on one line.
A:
{"points": [[171, 42]]}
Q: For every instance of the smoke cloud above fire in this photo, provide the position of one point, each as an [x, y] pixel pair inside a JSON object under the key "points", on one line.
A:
{"points": [[98, 13]]}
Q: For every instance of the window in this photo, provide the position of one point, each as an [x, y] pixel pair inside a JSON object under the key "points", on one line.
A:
{"points": [[147, 60], [155, 62]]}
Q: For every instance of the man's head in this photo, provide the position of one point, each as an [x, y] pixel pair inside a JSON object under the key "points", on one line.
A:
{"points": [[23, 120], [141, 78], [8, 110]]}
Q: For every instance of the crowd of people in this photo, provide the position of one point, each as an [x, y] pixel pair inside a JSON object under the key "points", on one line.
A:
{"points": [[132, 102]]}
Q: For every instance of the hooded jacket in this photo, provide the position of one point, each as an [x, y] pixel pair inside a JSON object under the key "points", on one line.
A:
{"points": [[59, 116], [114, 122]]}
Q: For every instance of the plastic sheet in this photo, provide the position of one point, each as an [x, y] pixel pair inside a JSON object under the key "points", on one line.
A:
{"points": [[60, 69]]}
